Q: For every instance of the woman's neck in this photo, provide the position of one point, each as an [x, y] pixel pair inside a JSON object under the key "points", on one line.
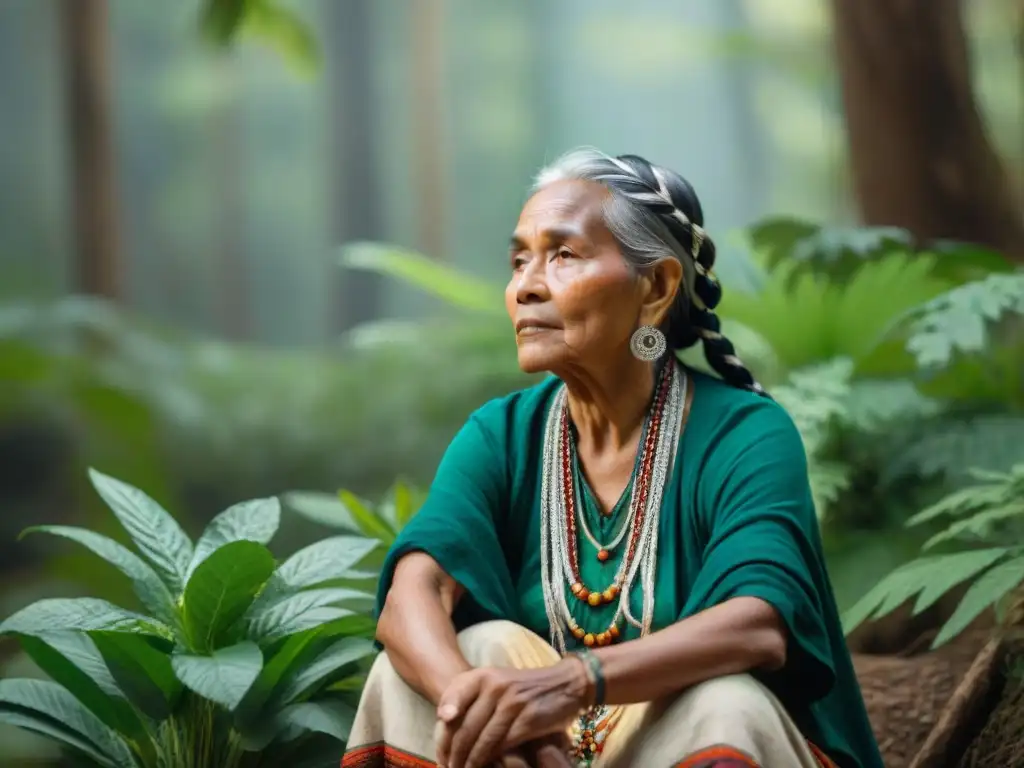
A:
{"points": [[608, 405]]}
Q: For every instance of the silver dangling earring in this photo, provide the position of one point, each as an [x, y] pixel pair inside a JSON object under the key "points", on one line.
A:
{"points": [[647, 343]]}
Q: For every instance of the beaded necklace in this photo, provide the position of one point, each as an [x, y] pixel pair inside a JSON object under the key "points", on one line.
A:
{"points": [[560, 545]]}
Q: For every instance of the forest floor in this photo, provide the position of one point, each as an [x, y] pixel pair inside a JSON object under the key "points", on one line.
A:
{"points": [[908, 695]]}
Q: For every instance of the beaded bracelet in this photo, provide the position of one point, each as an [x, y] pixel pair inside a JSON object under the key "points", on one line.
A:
{"points": [[595, 673]]}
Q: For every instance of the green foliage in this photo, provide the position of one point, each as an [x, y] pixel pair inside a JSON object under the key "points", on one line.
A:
{"points": [[986, 523], [959, 321], [223, 21], [237, 664], [816, 398], [839, 251], [348, 512], [450, 285], [811, 317]]}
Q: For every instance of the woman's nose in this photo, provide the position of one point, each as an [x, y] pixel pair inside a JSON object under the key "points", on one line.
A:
{"points": [[532, 287]]}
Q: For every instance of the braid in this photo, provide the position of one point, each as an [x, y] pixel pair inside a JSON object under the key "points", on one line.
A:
{"points": [[692, 316]]}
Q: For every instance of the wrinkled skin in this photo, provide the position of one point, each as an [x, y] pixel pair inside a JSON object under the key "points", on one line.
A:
{"points": [[570, 279]]}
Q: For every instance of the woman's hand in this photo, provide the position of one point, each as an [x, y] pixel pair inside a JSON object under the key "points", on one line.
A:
{"points": [[486, 712]]}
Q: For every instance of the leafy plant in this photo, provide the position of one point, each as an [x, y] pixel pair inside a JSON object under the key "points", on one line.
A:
{"points": [[811, 317], [985, 525], [237, 662], [968, 349], [348, 512], [223, 21], [816, 398], [839, 251]]}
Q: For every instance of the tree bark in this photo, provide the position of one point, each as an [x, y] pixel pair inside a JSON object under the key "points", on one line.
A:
{"points": [[85, 27], [920, 154]]}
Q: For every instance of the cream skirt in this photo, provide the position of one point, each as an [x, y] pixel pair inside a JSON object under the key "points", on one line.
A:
{"points": [[729, 721]]}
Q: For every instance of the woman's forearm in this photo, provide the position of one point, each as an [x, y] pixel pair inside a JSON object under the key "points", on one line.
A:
{"points": [[416, 629], [740, 635]]}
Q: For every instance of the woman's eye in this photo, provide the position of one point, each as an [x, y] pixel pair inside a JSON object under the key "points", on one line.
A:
{"points": [[564, 253]]}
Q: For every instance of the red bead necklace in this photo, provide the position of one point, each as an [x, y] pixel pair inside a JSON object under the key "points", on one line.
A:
{"points": [[638, 503]]}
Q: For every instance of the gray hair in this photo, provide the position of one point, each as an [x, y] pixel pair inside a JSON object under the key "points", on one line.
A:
{"points": [[654, 214]]}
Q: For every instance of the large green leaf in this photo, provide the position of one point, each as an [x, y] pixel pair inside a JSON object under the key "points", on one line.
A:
{"points": [[401, 504], [151, 590], [335, 658], [292, 653], [989, 589], [223, 677], [299, 612], [325, 560], [79, 649], [255, 520], [333, 718], [142, 672], [322, 508], [222, 19], [369, 521], [51, 705], [291, 658], [156, 534], [79, 613], [56, 731], [286, 32], [222, 589], [451, 285], [59, 656]]}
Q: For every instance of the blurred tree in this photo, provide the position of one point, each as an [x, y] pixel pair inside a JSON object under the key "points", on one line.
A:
{"points": [[87, 82], [428, 107], [921, 158], [232, 271], [356, 201]]}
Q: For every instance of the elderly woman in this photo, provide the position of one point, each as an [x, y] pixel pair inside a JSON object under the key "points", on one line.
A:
{"points": [[620, 565]]}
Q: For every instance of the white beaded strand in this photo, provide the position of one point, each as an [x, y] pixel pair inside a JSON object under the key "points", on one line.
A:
{"points": [[555, 556]]}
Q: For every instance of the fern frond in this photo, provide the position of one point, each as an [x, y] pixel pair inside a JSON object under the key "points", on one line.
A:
{"points": [[828, 480], [949, 447], [875, 404], [958, 321], [988, 590], [978, 528], [807, 317], [912, 579], [966, 500], [815, 399]]}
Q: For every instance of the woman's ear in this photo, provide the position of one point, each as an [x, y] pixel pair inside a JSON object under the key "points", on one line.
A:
{"points": [[661, 285]]}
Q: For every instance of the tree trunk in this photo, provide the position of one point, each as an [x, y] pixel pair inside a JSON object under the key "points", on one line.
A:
{"points": [[427, 61], [920, 154], [357, 198], [85, 27]]}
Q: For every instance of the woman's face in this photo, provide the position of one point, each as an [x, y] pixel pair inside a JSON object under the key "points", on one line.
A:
{"points": [[572, 298]]}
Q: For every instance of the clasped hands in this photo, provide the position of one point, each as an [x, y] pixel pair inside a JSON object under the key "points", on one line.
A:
{"points": [[503, 716]]}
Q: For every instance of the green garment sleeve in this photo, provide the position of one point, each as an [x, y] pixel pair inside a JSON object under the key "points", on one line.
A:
{"points": [[458, 524], [764, 542]]}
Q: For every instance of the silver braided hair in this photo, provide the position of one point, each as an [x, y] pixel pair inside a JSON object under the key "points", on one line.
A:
{"points": [[654, 214]]}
